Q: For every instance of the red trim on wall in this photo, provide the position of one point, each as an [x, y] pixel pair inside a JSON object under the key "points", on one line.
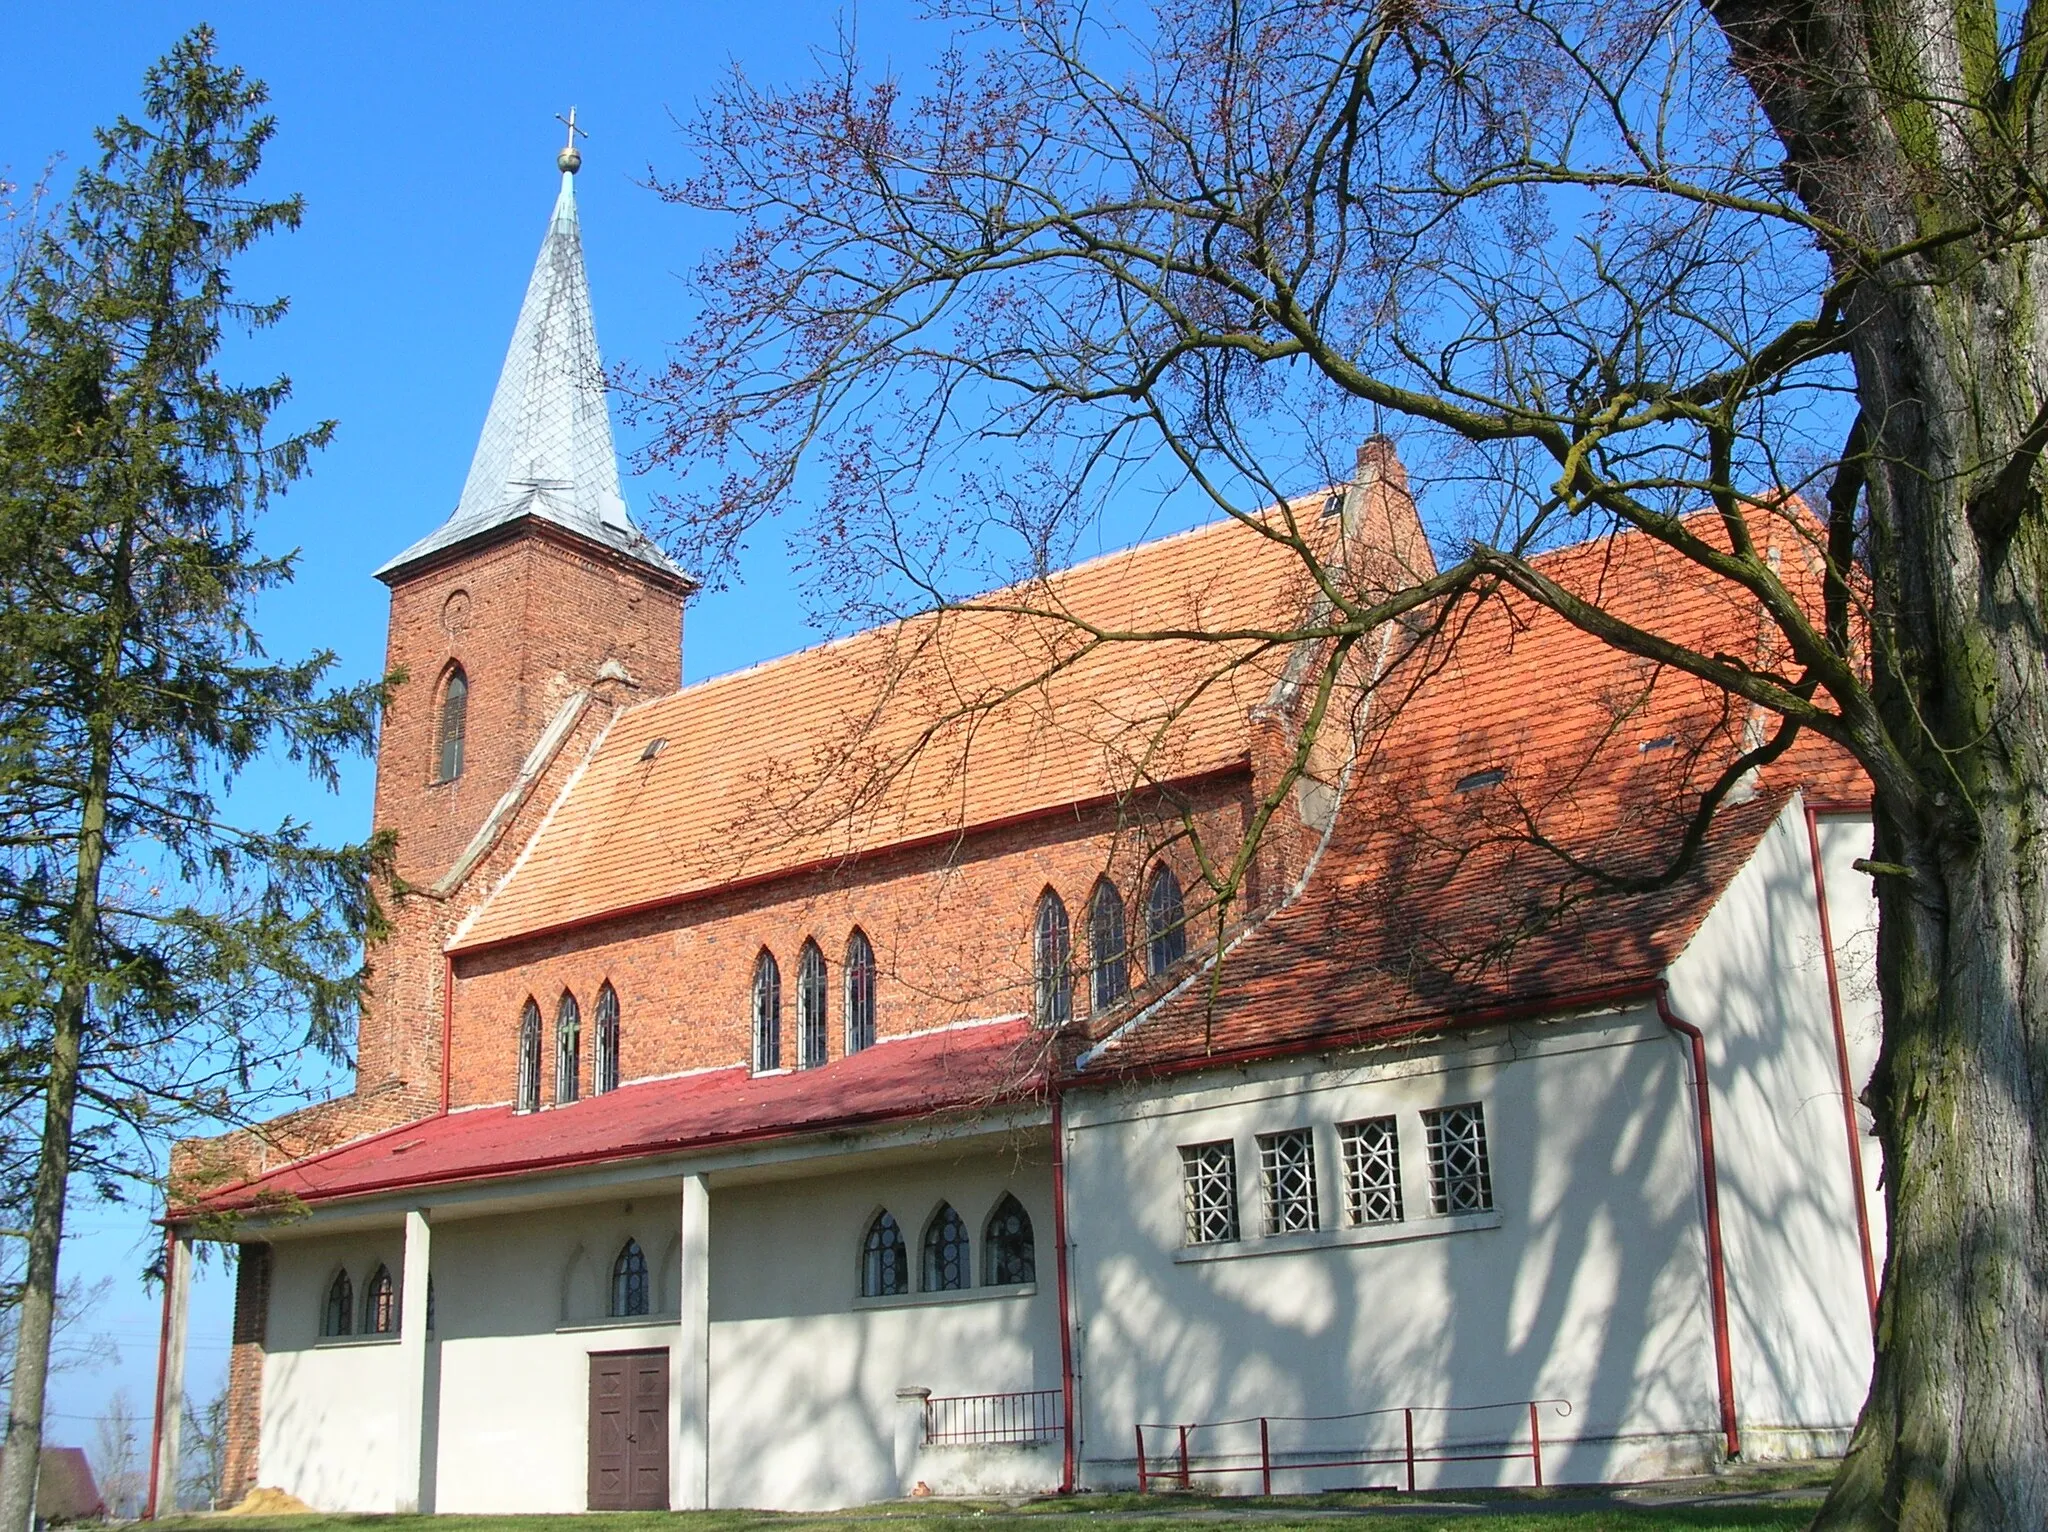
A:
{"points": [[1710, 1181], [1059, 1240], [163, 1357], [1850, 1126]]}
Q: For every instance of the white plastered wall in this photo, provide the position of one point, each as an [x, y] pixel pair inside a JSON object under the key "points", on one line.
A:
{"points": [[1754, 981], [1589, 1285]]}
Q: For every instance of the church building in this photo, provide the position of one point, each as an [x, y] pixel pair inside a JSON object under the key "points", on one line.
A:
{"points": [[835, 1080]]}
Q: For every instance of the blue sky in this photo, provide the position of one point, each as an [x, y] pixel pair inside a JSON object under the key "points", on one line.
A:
{"points": [[423, 137]]}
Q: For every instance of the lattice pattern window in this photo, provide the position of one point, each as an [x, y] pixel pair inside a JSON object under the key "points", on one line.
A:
{"points": [[884, 1263], [1052, 963], [767, 1012], [454, 724], [1208, 1184], [1287, 1181], [527, 1098], [810, 1007], [1372, 1170], [380, 1309], [1459, 1180], [604, 1068], [568, 1048], [1110, 960], [948, 1255], [1007, 1253], [341, 1307], [860, 992], [1166, 930], [629, 1282]]}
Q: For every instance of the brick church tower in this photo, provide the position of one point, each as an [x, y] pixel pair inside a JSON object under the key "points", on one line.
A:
{"points": [[520, 626]]}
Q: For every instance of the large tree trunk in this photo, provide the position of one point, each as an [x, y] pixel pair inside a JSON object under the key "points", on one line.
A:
{"points": [[1899, 129]]}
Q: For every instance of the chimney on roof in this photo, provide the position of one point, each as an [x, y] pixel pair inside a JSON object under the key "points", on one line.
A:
{"points": [[1383, 542]]}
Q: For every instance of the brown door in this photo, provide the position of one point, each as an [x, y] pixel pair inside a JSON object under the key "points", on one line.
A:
{"points": [[629, 1431]]}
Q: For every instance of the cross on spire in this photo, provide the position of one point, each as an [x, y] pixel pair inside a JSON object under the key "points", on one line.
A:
{"points": [[570, 159]]}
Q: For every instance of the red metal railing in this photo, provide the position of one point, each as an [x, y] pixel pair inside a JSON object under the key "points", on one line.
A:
{"points": [[1019, 1419], [1223, 1448]]}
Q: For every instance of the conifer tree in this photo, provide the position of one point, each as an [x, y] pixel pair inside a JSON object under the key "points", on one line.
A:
{"points": [[162, 955]]}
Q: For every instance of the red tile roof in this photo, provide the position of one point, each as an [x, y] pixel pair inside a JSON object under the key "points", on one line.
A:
{"points": [[997, 1063], [1430, 902], [924, 727]]}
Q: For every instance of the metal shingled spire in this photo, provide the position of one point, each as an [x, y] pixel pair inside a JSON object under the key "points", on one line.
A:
{"points": [[546, 449]]}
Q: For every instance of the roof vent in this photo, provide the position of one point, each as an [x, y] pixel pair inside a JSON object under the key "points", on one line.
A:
{"points": [[654, 747], [1661, 742], [1493, 776]]}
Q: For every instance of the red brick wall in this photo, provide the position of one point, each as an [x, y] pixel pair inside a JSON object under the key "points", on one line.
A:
{"points": [[245, 1372], [951, 928]]}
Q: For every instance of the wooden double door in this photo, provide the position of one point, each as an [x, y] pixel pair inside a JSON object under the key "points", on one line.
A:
{"points": [[629, 1430]]}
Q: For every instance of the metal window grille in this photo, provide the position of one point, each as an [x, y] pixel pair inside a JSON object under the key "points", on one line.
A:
{"points": [[340, 1318], [1052, 963], [884, 1270], [1166, 929], [379, 1316], [947, 1255], [629, 1282], [604, 1069], [1019, 1419], [860, 992], [1459, 1180], [767, 1013], [528, 1098], [810, 1007], [1372, 1170], [1112, 963], [1208, 1180], [1008, 1255], [1287, 1180], [568, 1048]]}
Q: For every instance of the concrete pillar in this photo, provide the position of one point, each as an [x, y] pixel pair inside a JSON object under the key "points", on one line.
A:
{"points": [[412, 1353], [910, 1410], [170, 1377], [690, 1473]]}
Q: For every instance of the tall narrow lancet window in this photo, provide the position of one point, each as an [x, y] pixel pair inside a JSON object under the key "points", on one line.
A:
{"points": [[1110, 960], [1052, 963], [884, 1266], [453, 721], [604, 1068], [380, 1307], [341, 1307], [1166, 927], [568, 1048], [528, 1097], [767, 1012], [1008, 1256], [629, 1282], [860, 991], [947, 1252], [810, 1007]]}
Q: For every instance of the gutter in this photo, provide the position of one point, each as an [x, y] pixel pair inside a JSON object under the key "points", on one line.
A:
{"points": [[1850, 1127], [163, 1358], [1710, 1181], [1066, 1312]]}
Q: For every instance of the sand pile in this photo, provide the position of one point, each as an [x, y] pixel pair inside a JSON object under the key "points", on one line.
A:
{"points": [[269, 1502]]}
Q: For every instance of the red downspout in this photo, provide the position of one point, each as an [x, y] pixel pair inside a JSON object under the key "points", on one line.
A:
{"points": [[447, 1023], [1059, 1238], [163, 1357], [1717, 1269], [1849, 1123]]}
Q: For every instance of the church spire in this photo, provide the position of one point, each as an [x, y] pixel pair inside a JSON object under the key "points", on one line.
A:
{"points": [[546, 450]]}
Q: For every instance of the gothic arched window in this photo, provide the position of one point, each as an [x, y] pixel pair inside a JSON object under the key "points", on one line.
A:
{"points": [[1007, 1253], [380, 1308], [810, 1007], [604, 1069], [1052, 963], [568, 1048], [884, 1269], [341, 1307], [629, 1282], [1108, 955], [767, 1012], [947, 1253], [1166, 930], [453, 723], [860, 991], [528, 1097]]}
